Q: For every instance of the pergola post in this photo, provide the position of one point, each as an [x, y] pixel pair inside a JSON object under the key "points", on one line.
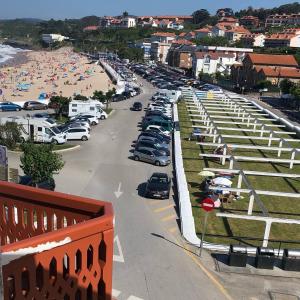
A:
{"points": [[215, 135], [224, 153], [231, 163], [251, 203], [280, 146], [248, 122], [254, 126], [267, 233], [262, 130], [239, 184], [292, 158], [270, 139]]}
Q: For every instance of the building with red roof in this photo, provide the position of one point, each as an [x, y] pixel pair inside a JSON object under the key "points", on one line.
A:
{"points": [[249, 21], [91, 28], [259, 67]]}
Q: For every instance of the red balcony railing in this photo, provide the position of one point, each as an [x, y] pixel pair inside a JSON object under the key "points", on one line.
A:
{"points": [[54, 246]]}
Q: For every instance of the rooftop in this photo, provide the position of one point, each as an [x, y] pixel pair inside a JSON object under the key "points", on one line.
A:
{"points": [[279, 72], [273, 60], [166, 34]]}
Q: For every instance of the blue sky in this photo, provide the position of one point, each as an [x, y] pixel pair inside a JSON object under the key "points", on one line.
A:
{"points": [[60, 9]]}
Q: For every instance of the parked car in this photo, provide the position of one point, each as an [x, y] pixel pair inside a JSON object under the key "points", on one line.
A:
{"points": [[42, 115], [46, 184], [151, 156], [158, 186], [80, 119], [9, 106], [156, 118], [34, 105], [93, 119], [80, 122], [156, 135], [137, 106], [158, 113], [153, 140], [162, 148], [65, 127], [118, 97], [166, 125], [158, 129], [79, 133]]}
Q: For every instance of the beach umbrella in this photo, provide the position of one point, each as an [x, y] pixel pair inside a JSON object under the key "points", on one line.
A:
{"points": [[222, 181], [207, 174]]}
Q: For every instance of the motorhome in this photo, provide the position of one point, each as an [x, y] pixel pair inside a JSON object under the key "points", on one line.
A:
{"points": [[37, 130], [91, 107]]}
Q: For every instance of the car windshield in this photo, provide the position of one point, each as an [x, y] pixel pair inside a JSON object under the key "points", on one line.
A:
{"points": [[55, 130], [157, 153], [50, 121], [157, 179]]}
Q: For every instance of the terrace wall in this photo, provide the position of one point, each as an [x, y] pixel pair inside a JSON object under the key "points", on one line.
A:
{"points": [[54, 246]]}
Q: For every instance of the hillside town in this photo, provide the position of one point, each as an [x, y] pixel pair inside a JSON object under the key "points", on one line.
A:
{"points": [[173, 44]]}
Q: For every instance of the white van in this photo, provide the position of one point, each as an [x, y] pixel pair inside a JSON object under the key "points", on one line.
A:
{"points": [[77, 133]]}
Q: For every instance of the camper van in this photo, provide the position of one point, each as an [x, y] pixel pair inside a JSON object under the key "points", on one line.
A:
{"points": [[91, 107], [37, 130]]}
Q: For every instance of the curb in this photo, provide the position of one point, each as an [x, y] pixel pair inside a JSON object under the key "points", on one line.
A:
{"points": [[111, 113], [55, 151]]}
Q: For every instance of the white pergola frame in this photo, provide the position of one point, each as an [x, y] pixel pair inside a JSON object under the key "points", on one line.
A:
{"points": [[210, 113], [268, 221]]}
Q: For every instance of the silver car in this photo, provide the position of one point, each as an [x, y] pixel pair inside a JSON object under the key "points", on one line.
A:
{"points": [[151, 156]]}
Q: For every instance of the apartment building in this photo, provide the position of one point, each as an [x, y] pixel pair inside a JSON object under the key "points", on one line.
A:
{"points": [[282, 19]]}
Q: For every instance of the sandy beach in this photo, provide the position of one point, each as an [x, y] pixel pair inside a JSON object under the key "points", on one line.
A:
{"points": [[42, 74]]}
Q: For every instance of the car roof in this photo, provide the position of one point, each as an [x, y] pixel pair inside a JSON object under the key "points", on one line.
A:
{"points": [[160, 175]]}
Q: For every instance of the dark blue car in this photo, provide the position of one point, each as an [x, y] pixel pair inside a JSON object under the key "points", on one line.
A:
{"points": [[9, 106]]}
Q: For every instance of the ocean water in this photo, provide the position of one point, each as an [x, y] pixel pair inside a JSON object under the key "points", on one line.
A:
{"points": [[8, 52]]}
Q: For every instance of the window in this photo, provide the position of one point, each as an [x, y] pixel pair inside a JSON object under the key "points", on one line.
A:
{"points": [[207, 59], [142, 151], [74, 105], [40, 129], [74, 110], [48, 131], [92, 108]]}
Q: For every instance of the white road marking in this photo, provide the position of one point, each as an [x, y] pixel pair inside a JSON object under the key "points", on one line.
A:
{"points": [[118, 193], [115, 293], [118, 257]]}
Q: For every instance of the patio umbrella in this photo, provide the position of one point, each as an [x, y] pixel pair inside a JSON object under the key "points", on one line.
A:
{"points": [[207, 174], [222, 181]]}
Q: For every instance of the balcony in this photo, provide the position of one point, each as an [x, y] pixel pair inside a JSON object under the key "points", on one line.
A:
{"points": [[54, 246]]}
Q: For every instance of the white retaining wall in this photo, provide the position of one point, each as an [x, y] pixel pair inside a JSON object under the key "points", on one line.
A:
{"points": [[188, 229]]}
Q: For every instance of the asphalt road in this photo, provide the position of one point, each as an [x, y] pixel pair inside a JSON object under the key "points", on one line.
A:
{"points": [[154, 266]]}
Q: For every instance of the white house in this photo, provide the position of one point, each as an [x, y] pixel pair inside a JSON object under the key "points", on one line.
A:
{"points": [[253, 40], [163, 37], [53, 37], [128, 22], [212, 62], [203, 32]]}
